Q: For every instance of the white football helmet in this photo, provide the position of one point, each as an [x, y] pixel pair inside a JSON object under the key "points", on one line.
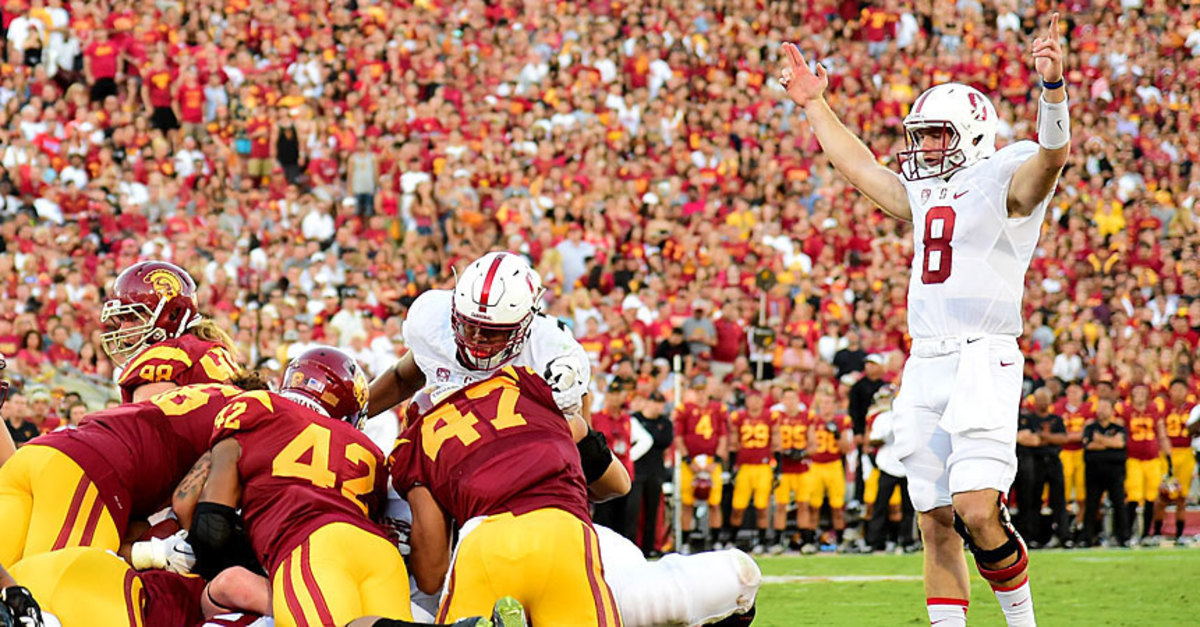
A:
{"points": [[494, 302], [968, 120]]}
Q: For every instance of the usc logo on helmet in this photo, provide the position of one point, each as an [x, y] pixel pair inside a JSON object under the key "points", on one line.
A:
{"points": [[165, 283]]}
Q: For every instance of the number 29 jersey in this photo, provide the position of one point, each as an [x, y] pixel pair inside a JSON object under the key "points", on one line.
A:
{"points": [[300, 471], [969, 256]]}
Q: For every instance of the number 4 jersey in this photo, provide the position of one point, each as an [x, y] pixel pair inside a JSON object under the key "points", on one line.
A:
{"points": [[969, 256], [300, 471]]}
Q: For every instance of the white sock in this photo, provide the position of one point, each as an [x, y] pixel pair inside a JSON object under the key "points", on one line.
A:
{"points": [[1017, 604], [947, 612]]}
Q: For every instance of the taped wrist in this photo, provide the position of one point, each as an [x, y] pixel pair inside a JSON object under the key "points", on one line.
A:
{"points": [[1054, 124], [594, 455], [219, 540]]}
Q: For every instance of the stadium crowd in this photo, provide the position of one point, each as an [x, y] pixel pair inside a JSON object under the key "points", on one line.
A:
{"points": [[316, 164]]}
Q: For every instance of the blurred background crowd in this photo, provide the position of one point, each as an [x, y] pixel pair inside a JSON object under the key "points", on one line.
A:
{"points": [[316, 164]]}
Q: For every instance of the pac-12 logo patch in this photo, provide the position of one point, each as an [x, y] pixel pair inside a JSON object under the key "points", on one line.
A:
{"points": [[443, 374]]}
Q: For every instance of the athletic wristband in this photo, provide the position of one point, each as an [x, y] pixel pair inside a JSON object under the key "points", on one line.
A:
{"points": [[594, 455], [1053, 85], [1054, 124]]}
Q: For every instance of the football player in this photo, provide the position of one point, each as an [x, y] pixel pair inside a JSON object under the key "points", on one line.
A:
{"points": [[977, 213], [498, 455], [157, 334], [1182, 460], [701, 436], [792, 465], [830, 437], [757, 437], [307, 482], [491, 319], [1076, 411], [1147, 450], [85, 486]]}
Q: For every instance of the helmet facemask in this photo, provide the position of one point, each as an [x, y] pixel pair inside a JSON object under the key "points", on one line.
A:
{"points": [[134, 328], [919, 163], [486, 345]]}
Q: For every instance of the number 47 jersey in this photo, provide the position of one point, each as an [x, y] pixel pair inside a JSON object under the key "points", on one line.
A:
{"points": [[969, 256], [300, 470]]}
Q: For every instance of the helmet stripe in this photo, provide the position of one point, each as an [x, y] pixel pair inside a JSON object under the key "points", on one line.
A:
{"points": [[487, 283], [920, 102]]}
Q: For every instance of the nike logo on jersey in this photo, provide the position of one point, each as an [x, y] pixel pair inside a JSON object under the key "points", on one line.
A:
{"points": [[1060, 126], [1005, 364], [958, 195], [972, 340]]}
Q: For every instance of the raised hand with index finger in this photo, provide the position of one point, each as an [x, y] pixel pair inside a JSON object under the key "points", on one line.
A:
{"points": [[1048, 54]]}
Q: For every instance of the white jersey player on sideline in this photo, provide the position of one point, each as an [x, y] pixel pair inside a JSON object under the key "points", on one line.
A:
{"points": [[976, 215], [490, 320]]}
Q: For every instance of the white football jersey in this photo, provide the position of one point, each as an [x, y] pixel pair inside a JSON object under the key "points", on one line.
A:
{"points": [[970, 257], [551, 351]]}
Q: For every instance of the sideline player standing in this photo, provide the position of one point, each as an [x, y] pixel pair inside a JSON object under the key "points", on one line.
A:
{"points": [[977, 213]]}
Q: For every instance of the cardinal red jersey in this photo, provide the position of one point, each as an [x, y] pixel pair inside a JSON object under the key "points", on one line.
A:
{"points": [[185, 360], [1142, 425], [1176, 423], [702, 427], [171, 599], [498, 445], [618, 430], [754, 435], [300, 471], [827, 442], [136, 453], [1074, 417], [793, 433]]}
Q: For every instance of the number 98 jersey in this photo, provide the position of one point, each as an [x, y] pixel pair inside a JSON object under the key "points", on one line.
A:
{"points": [[969, 256], [300, 470]]}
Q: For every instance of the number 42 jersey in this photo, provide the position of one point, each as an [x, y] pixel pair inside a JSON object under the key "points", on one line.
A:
{"points": [[300, 470], [969, 256]]}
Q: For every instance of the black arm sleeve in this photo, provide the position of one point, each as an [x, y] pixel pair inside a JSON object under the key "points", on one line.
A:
{"points": [[219, 541], [594, 455]]}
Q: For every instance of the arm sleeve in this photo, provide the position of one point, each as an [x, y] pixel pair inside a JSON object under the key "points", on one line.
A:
{"points": [[640, 440]]}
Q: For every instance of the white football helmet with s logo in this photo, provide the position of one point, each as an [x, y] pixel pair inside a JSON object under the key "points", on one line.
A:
{"points": [[968, 122], [495, 300]]}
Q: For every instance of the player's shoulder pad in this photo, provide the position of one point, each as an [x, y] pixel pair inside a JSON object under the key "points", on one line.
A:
{"points": [[245, 412], [430, 305]]}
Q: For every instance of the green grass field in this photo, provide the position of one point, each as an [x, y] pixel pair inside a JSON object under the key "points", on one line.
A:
{"points": [[1095, 587]]}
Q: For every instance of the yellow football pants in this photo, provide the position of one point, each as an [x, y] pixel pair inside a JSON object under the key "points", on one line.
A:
{"points": [[547, 559], [340, 573], [46, 503]]}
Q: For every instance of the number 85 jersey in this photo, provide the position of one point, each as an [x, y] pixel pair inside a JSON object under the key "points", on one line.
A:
{"points": [[300, 471], [969, 256]]}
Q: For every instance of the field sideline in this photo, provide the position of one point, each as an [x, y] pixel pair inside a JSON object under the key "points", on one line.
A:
{"points": [[1094, 587]]}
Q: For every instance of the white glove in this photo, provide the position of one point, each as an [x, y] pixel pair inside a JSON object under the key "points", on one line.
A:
{"points": [[173, 554]]}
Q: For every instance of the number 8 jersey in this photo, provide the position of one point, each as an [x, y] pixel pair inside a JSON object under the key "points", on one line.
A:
{"points": [[300, 471], [969, 256]]}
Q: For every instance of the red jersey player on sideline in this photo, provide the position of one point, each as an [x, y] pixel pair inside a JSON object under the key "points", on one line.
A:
{"points": [[499, 457], [757, 430], [701, 428]]}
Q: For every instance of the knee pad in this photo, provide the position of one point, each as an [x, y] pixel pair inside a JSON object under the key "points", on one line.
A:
{"points": [[1013, 546]]}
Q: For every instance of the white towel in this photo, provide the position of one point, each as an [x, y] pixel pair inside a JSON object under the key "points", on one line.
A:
{"points": [[973, 405]]}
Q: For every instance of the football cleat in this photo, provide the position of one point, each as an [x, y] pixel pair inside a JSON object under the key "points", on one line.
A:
{"points": [[508, 612]]}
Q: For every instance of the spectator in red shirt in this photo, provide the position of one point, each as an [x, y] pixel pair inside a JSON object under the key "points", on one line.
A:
{"points": [[100, 60], [730, 340]]}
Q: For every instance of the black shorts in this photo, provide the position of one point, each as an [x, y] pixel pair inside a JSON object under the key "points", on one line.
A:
{"points": [[103, 88], [164, 119]]}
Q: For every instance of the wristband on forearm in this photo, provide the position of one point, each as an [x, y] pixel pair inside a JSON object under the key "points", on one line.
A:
{"points": [[1054, 124]]}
